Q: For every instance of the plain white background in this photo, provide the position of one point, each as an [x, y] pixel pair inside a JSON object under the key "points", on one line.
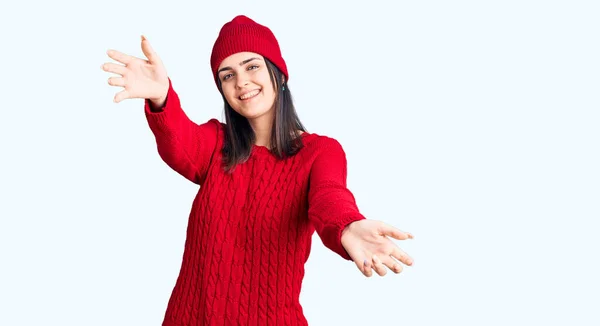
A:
{"points": [[472, 124]]}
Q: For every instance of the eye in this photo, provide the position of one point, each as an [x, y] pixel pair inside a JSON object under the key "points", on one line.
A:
{"points": [[253, 66], [225, 77]]}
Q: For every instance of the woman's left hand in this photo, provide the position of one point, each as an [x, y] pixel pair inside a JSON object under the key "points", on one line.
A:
{"points": [[367, 243]]}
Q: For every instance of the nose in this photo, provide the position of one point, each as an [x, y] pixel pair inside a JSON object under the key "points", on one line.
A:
{"points": [[242, 81]]}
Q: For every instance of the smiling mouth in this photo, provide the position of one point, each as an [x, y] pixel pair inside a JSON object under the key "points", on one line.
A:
{"points": [[249, 95]]}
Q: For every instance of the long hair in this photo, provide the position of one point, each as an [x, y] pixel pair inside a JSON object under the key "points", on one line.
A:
{"points": [[239, 136]]}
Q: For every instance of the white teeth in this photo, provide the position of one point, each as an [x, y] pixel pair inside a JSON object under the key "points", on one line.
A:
{"points": [[249, 95]]}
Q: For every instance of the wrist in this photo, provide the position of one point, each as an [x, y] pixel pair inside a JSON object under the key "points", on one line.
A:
{"points": [[157, 104], [348, 227]]}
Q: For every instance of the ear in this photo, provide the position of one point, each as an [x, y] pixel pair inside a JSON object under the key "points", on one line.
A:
{"points": [[282, 86]]}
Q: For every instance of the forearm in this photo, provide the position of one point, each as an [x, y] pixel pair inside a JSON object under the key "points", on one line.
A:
{"points": [[184, 145], [332, 205], [333, 210]]}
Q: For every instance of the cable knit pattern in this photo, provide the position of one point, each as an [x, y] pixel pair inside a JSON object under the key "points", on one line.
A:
{"points": [[249, 233]]}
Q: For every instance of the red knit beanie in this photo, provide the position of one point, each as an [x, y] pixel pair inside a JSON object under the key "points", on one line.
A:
{"points": [[242, 34]]}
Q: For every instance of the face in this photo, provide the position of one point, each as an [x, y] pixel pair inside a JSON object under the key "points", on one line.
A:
{"points": [[247, 85]]}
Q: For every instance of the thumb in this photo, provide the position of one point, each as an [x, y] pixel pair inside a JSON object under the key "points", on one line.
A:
{"points": [[149, 51]]}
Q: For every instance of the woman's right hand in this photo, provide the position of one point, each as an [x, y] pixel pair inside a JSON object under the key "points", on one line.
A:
{"points": [[146, 79]]}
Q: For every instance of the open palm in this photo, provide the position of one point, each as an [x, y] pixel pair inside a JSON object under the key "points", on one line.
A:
{"points": [[369, 245], [140, 78]]}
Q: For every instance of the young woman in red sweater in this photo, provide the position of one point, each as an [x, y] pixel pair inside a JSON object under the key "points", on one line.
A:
{"points": [[266, 184]]}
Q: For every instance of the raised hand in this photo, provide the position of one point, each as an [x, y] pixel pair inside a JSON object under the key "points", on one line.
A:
{"points": [[367, 243], [146, 79]]}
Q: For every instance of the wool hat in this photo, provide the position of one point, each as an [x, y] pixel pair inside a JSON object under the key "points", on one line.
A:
{"points": [[243, 34]]}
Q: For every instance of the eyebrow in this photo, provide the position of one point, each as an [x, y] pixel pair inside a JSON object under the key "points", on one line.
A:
{"points": [[241, 63]]}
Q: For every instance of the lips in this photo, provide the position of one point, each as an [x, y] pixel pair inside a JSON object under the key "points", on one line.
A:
{"points": [[249, 95]]}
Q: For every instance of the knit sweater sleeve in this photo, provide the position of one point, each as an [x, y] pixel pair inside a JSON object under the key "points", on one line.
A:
{"points": [[331, 205], [182, 144]]}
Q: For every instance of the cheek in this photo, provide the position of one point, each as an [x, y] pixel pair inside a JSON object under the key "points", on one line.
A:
{"points": [[229, 95], [269, 97], [268, 90]]}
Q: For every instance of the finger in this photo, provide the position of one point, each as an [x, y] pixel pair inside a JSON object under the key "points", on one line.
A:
{"points": [[392, 264], [365, 267], [116, 81], [122, 95], [362, 262], [395, 233], [360, 265], [121, 57], [378, 266], [114, 68], [149, 51], [402, 256]]}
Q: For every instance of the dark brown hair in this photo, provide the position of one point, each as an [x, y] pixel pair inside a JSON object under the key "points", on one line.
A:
{"points": [[239, 136]]}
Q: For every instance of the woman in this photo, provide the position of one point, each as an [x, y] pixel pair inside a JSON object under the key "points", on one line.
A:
{"points": [[266, 184]]}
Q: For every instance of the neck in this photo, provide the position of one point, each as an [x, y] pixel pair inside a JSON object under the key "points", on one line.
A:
{"points": [[262, 130]]}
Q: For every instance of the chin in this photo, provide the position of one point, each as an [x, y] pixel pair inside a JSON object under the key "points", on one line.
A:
{"points": [[252, 113]]}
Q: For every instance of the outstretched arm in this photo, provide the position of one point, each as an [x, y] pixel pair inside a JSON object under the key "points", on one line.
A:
{"points": [[331, 205], [184, 145], [341, 226]]}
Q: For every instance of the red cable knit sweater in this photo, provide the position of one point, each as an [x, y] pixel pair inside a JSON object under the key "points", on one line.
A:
{"points": [[249, 233]]}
